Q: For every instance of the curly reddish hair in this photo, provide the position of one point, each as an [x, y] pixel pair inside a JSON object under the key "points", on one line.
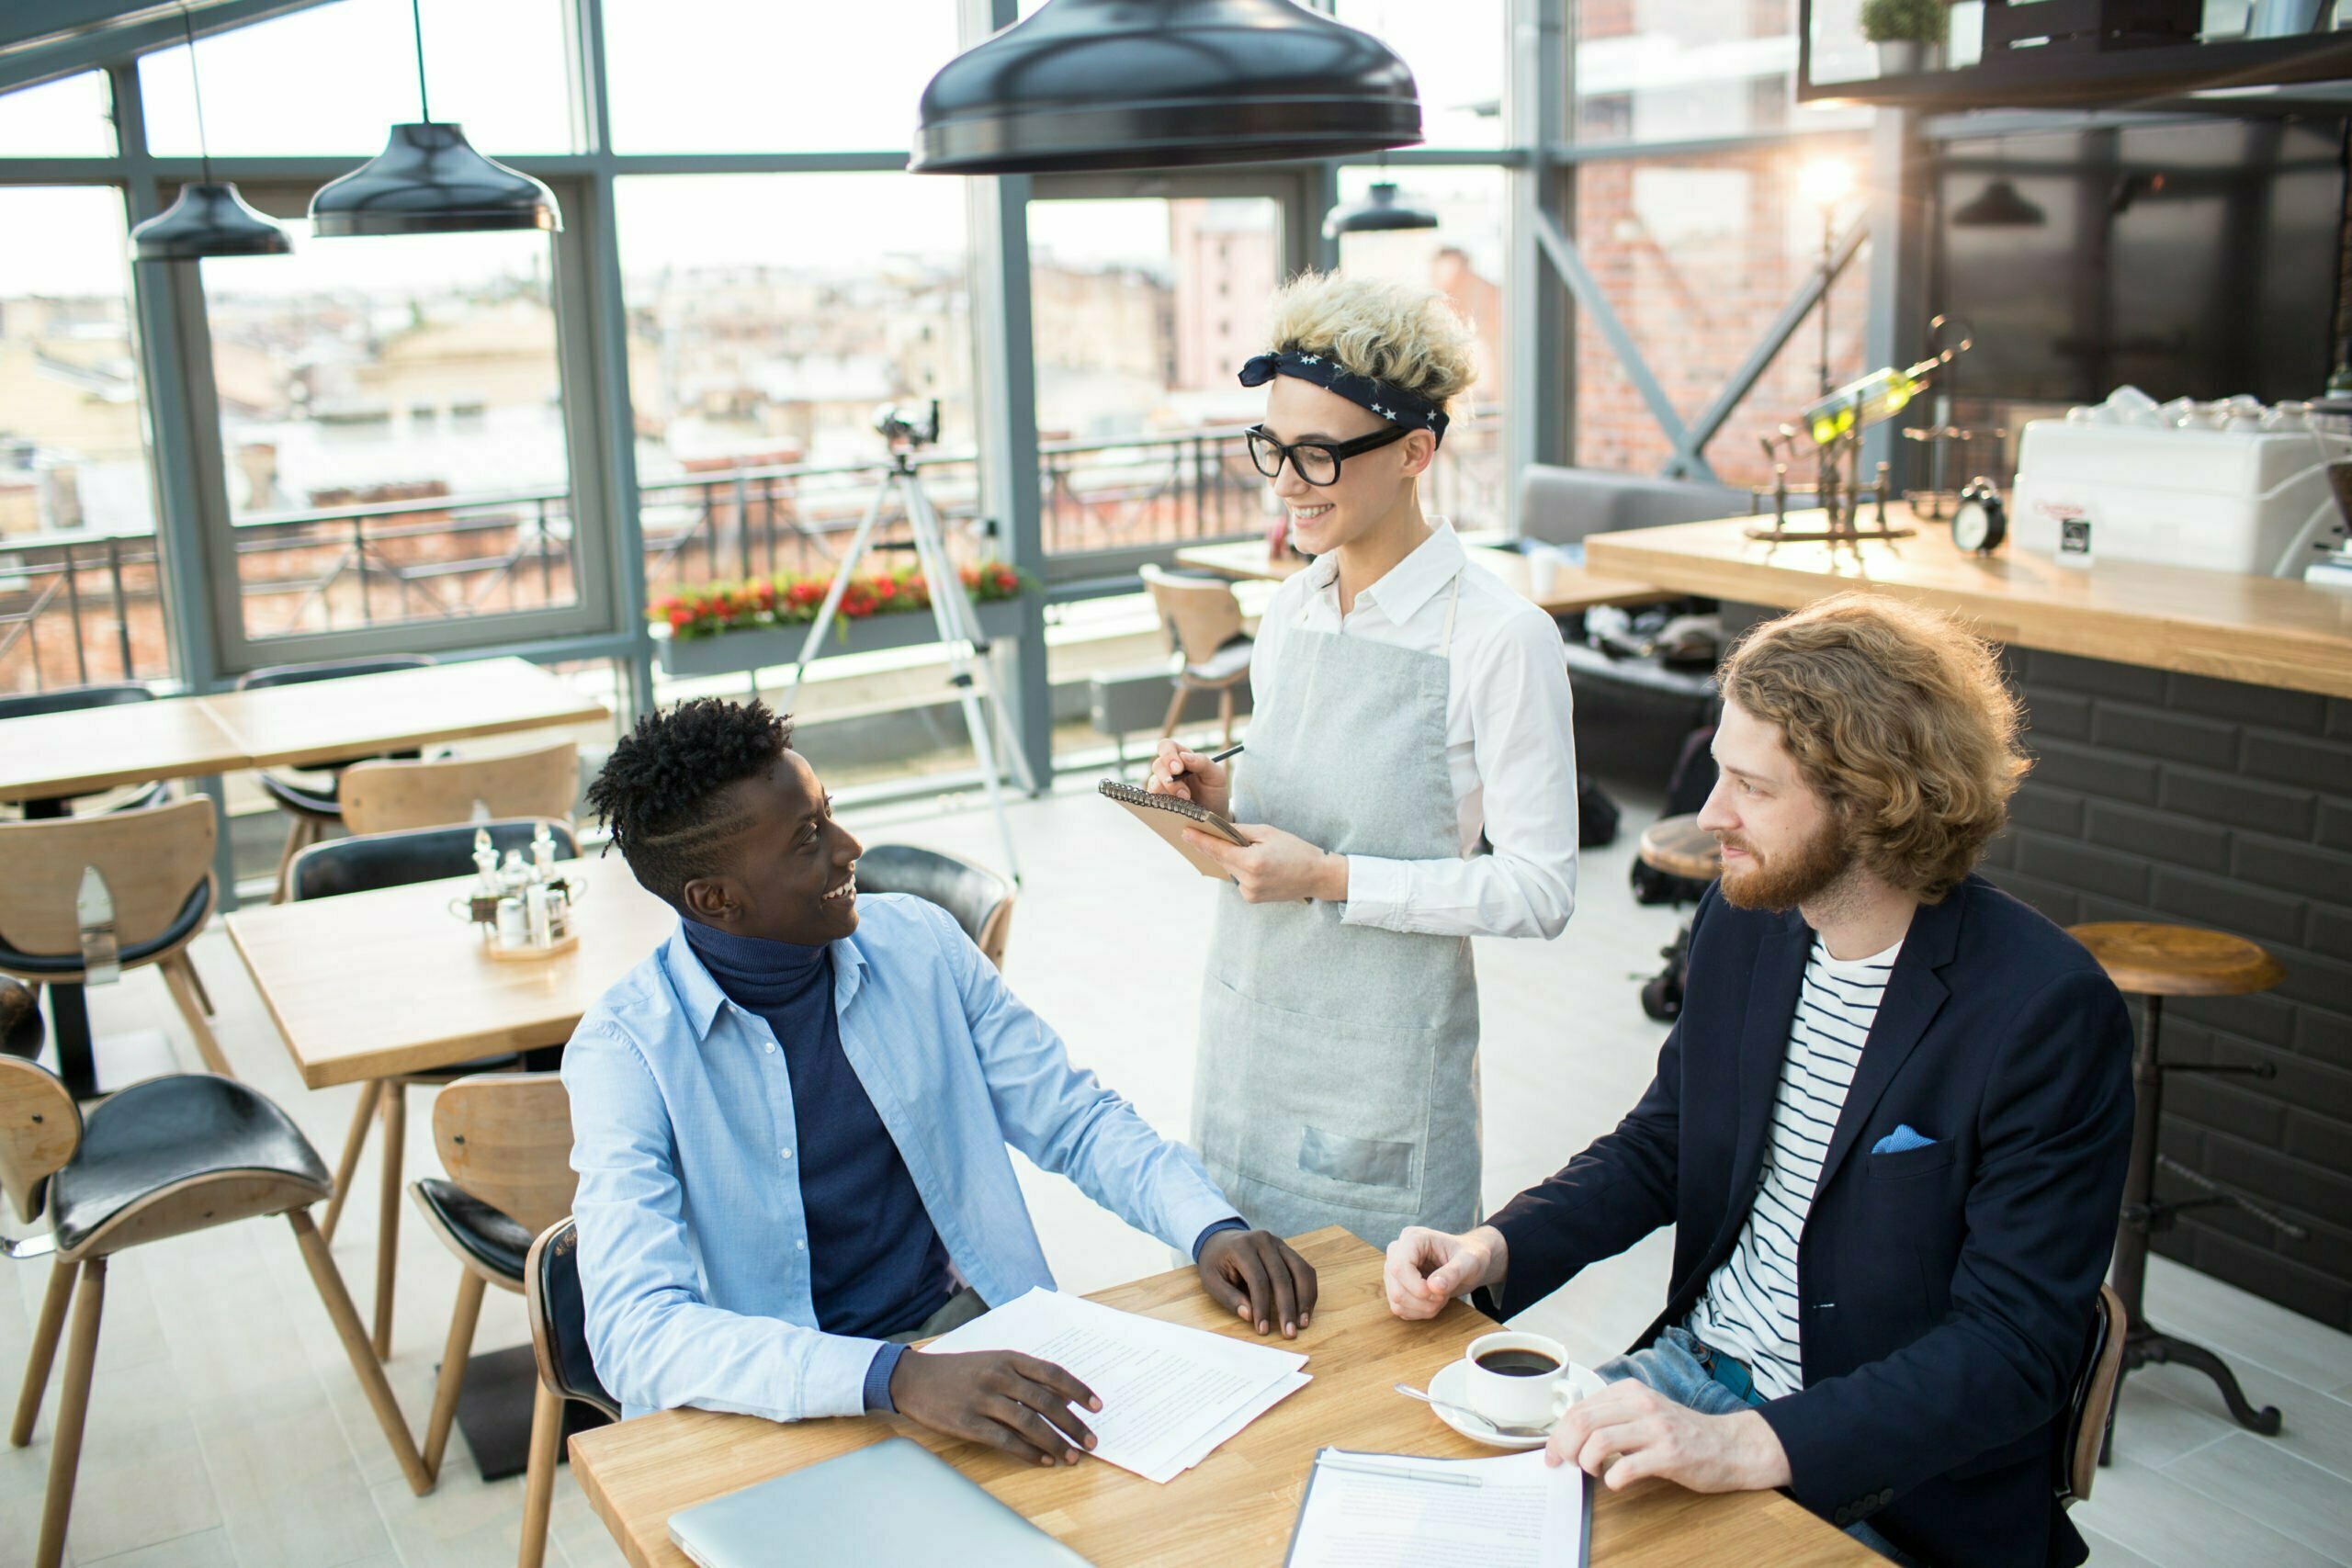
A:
{"points": [[1899, 717]]}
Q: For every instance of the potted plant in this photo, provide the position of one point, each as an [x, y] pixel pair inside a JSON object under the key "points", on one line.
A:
{"points": [[1908, 32], [725, 626]]}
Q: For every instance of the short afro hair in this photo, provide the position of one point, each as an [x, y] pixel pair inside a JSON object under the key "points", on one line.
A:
{"points": [[660, 792]]}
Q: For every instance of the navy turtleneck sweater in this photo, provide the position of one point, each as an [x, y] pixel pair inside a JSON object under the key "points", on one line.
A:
{"points": [[877, 1265]]}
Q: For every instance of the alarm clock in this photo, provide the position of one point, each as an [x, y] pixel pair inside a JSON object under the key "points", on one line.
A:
{"points": [[1978, 523]]}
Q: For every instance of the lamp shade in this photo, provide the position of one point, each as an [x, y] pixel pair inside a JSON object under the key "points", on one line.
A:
{"points": [[429, 180], [1378, 212], [209, 219], [1156, 84], [1997, 205]]}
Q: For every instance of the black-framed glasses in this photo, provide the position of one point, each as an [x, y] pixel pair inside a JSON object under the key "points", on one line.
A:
{"points": [[1316, 462]]}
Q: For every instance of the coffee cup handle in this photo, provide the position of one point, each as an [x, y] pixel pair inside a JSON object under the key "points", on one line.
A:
{"points": [[1564, 1393]]}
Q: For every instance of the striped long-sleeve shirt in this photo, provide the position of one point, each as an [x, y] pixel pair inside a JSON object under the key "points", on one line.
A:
{"points": [[1750, 1308]]}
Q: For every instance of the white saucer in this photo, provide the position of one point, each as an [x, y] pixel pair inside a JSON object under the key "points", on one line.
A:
{"points": [[1452, 1384]]}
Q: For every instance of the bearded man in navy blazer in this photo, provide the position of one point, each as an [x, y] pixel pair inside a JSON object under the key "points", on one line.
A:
{"points": [[1889, 1127]]}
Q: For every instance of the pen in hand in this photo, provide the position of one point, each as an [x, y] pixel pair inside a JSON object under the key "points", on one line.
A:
{"points": [[1232, 750]]}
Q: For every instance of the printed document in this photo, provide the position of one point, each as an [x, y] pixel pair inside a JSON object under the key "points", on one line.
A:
{"points": [[1396, 1511]]}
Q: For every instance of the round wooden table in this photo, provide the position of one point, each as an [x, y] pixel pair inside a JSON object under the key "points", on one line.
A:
{"points": [[1679, 847]]}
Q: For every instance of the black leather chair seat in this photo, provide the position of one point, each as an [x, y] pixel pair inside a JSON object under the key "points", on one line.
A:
{"points": [[191, 916], [962, 890], [306, 798], [497, 1242], [564, 1314], [396, 860], [164, 1131]]}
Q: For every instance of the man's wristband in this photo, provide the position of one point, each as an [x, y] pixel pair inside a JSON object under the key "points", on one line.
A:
{"points": [[1235, 1223], [877, 1378]]}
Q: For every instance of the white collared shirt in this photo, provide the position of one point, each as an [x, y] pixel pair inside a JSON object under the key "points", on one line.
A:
{"points": [[1510, 744]]}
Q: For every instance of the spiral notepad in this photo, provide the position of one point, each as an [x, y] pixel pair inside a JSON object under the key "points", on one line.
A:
{"points": [[1169, 817]]}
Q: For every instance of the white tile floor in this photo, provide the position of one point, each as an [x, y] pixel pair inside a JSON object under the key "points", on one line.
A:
{"points": [[226, 1428]]}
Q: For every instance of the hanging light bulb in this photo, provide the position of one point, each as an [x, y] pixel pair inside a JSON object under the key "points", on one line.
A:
{"points": [[1155, 83], [429, 180], [1380, 212], [1998, 206], [210, 219]]}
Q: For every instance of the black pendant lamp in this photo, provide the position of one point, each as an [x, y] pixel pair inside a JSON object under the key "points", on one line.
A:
{"points": [[429, 180], [1380, 212], [1998, 206], [210, 219], [1157, 84]]}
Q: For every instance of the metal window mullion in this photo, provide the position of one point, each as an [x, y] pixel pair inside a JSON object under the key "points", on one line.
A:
{"points": [[1539, 393]]}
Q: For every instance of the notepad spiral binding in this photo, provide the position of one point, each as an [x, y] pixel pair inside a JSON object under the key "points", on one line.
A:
{"points": [[1128, 795]]}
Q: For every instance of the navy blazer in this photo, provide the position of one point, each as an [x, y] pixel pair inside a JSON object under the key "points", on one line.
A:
{"points": [[1947, 1291]]}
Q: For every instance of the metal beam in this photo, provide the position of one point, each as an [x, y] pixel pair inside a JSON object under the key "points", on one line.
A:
{"points": [[1562, 252], [1538, 400], [1776, 336], [50, 43]]}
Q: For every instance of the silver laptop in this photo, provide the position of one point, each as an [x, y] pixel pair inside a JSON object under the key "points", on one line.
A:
{"points": [[895, 1505]]}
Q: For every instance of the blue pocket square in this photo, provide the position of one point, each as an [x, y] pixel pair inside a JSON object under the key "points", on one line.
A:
{"points": [[1902, 1138]]}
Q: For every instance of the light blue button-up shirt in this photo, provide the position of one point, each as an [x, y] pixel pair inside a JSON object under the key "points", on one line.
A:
{"points": [[694, 1247]]}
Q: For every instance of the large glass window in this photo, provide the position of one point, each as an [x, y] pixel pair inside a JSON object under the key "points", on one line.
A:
{"points": [[1676, 70], [333, 78], [1461, 258], [78, 599], [1143, 308], [72, 117], [393, 434], [1697, 255], [770, 315], [1456, 52], [722, 76]]}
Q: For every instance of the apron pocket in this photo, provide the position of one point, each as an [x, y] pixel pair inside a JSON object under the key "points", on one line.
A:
{"points": [[1366, 1161]]}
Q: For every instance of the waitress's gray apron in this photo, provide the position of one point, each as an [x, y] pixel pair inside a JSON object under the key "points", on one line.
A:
{"points": [[1337, 1069]]}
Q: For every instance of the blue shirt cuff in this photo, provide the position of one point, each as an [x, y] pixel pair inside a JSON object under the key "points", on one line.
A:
{"points": [[877, 1378], [1235, 1223]]}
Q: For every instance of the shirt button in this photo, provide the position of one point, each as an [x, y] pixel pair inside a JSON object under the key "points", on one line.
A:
{"points": [[770, 1047], [785, 1153], [799, 1247]]}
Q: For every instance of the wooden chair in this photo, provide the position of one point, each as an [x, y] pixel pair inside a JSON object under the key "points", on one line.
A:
{"points": [[2094, 1402], [559, 1344], [385, 796], [1203, 620], [158, 869], [2154, 960], [980, 901], [505, 1140], [311, 807], [161, 1158], [361, 864]]}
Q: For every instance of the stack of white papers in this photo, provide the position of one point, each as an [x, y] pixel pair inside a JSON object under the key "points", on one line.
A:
{"points": [[1169, 1395], [1397, 1511]]}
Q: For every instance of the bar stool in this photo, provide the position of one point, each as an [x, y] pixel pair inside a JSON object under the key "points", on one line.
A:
{"points": [[2152, 962], [1676, 846]]}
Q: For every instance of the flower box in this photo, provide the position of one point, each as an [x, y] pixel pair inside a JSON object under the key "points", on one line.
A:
{"points": [[724, 627], [759, 647]]}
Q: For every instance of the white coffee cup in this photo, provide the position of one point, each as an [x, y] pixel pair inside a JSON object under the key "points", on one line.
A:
{"points": [[1520, 1398], [1543, 564]]}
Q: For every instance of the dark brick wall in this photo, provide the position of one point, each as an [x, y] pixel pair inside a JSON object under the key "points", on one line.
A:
{"points": [[2158, 796]]}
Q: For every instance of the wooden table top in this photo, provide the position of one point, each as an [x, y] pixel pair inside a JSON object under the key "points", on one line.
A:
{"points": [[374, 985], [1239, 1506], [327, 721], [89, 749], [2268, 631], [1573, 587]]}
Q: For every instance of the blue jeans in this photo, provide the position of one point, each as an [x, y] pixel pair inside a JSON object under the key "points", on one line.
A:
{"points": [[1672, 1367]]}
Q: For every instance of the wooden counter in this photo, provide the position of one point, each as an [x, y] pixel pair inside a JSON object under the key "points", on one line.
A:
{"points": [[2266, 631]]}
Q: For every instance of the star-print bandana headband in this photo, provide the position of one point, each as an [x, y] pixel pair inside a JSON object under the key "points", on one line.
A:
{"points": [[1391, 402]]}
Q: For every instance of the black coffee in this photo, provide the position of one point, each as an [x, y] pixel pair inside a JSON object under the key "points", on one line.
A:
{"points": [[1519, 1363]]}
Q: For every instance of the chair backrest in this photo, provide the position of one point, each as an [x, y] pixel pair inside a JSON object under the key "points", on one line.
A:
{"points": [[70, 699], [506, 1138], [980, 901], [1200, 614], [1562, 506], [383, 796], [559, 1319], [370, 861], [329, 670], [2094, 1397], [151, 860], [40, 1129]]}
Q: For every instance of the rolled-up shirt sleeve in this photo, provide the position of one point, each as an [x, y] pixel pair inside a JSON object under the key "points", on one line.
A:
{"points": [[1524, 741]]}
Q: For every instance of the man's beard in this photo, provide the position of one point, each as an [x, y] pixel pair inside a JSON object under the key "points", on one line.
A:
{"points": [[1793, 876]]}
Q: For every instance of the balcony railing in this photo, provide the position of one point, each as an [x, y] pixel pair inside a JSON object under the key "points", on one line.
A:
{"points": [[75, 609]]}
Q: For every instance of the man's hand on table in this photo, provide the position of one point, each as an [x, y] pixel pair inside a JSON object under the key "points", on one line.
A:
{"points": [[1257, 1276], [1629, 1430], [998, 1397], [1427, 1269]]}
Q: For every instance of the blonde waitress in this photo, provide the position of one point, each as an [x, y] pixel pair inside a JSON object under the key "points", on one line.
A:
{"points": [[1410, 784]]}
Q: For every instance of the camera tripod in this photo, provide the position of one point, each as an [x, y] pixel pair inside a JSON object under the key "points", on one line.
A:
{"points": [[951, 609]]}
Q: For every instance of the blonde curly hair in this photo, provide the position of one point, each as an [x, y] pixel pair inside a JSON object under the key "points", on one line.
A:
{"points": [[1899, 717], [1407, 337]]}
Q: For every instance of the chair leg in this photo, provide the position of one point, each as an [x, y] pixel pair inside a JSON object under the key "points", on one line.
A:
{"points": [[353, 1143], [354, 1335], [43, 1352], [452, 1381], [296, 831], [538, 1478], [1225, 712], [180, 977], [388, 1212], [203, 997], [65, 1450], [1175, 712]]}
